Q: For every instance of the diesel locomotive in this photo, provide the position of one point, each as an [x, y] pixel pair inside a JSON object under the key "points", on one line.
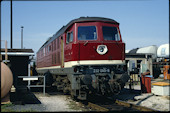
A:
{"points": [[87, 56]]}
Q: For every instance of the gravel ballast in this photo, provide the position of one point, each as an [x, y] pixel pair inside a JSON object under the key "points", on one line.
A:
{"points": [[51, 103]]}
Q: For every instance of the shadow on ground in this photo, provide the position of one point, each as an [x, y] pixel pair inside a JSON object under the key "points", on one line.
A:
{"points": [[127, 94], [23, 96]]}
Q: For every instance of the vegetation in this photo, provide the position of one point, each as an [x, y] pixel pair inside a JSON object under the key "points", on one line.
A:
{"points": [[6, 108], [77, 106]]}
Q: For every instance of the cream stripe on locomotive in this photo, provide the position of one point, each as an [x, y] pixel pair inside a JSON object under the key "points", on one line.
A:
{"points": [[86, 62]]}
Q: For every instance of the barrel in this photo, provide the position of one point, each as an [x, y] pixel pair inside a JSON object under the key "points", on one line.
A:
{"points": [[166, 72]]}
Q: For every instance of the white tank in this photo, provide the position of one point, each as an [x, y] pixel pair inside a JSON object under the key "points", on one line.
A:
{"points": [[149, 50], [127, 51], [163, 51], [6, 80]]}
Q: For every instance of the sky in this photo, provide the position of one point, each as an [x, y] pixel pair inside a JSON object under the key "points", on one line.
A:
{"points": [[142, 22]]}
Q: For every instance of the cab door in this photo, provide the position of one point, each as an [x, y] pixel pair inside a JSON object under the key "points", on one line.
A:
{"points": [[68, 46]]}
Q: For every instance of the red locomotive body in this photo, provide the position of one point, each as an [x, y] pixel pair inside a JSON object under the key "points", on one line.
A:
{"points": [[87, 49]]}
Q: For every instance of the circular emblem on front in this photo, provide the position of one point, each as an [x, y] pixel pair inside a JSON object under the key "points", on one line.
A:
{"points": [[102, 49]]}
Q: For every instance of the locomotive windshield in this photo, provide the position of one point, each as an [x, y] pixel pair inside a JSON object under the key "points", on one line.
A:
{"points": [[87, 33], [110, 33]]}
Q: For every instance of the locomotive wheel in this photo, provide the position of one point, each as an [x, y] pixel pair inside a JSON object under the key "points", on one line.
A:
{"points": [[48, 78], [67, 86]]}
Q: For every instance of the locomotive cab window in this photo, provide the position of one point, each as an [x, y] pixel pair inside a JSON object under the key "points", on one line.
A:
{"points": [[87, 33], [110, 33], [69, 37]]}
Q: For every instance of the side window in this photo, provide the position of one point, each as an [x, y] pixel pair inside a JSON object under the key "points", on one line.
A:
{"points": [[58, 45], [52, 47], [49, 48], [69, 37], [44, 51], [54, 44]]}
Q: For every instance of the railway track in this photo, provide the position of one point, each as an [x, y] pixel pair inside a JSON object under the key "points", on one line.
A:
{"points": [[107, 104], [100, 103]]}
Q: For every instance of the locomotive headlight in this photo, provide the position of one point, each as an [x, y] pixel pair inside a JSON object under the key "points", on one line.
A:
{"points": [[102, 49], [77, 69]]}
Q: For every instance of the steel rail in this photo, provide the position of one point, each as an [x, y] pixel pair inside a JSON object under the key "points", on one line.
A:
{"points": [[118, 103], [137, 107], [97, 107], [121, 103]]}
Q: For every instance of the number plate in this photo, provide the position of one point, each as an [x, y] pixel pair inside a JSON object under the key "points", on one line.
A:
{"points": [[101, 70]]}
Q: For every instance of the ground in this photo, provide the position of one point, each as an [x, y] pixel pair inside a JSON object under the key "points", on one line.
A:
{"points": [[58, 102], [134, 96], [50, 102]]}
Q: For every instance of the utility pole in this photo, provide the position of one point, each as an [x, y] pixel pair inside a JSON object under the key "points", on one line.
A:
{"points": [[11, 24], [22, 37], [0, 34]]}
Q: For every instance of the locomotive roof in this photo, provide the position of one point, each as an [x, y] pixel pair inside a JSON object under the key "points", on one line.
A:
{"points": [[78, 20], [87, 19]]}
